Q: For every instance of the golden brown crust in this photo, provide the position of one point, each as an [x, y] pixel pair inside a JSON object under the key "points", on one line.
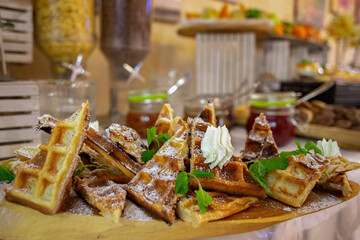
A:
{"points": [[293, 185], [43, 182], [260, 143], [103, 189], [127, 139], [109, 151], [154, 186], [232, 177], [222, 206]]}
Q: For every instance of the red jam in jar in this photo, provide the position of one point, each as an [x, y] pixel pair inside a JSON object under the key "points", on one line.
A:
{"points": [[279, 111], [145, 106]]}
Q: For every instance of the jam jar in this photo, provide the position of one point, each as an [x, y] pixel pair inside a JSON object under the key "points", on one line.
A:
{"points": [[145, 106], [223, 105], [279, 110]]}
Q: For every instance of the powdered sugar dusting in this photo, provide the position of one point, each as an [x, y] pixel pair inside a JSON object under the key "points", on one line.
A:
{"points": [[136, 213], [76, 205], [3, 184], [325, 201]]}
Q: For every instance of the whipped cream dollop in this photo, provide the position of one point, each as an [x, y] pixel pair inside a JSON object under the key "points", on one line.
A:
{"points": [[216, 146], [329, 148]]}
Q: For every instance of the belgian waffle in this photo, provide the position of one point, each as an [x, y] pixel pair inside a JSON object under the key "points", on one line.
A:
{"points": [[128, 139], [260, 143], [222, 206], [43, 183], [334, 178], [164, 122], [112, 155], [338, 183], [23, 155], [338, 165], [233, 178], [26, 153], [154, 186], [293, 185], [103, 189]]}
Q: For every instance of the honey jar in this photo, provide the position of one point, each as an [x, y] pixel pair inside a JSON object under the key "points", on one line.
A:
{"points": [[279, 111], [145, 106]]}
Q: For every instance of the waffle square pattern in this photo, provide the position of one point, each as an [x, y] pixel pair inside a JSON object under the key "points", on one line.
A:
{"points": [[44, 182]]}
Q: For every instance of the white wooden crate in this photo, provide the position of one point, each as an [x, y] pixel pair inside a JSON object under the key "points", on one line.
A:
{"points": [[19, 109], [18, 42]]}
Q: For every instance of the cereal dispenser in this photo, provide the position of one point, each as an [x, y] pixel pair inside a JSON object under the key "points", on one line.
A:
{"points": [[125, 39], [64, 29]]}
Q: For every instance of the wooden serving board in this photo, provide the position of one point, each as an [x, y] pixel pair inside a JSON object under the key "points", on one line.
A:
{"points": [[261, 27], [19, 222], [346, 138]]}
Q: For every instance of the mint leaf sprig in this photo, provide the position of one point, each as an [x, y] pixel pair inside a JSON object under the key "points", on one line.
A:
{"points": [[182, 187], [156, 139], [5, 173], [259, 169]]}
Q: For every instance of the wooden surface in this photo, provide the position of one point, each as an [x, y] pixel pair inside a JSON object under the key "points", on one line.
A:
{"points": [[18, 41], [19, 109], [18, 222], [261, 27], [346, 138]]}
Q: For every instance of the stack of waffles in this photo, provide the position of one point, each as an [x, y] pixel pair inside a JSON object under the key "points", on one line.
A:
{"points": [[45, 174]]}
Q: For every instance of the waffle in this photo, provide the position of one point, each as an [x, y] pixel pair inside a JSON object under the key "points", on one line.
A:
{"points": [[164, 122], [293, 185], [338, 165], [111, 154], [222, 206], [233, 178], [260, 143], [44, 182], [26, 153], [103, 189], [338, 183], [127, 139], [23, 155], [154, 186]]}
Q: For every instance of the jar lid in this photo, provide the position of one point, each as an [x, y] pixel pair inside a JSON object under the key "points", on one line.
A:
{"points": [[147, 95], [274, 99]]}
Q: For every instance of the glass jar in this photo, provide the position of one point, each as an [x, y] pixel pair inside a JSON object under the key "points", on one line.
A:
{"points": [[64, 29], [61, 98], [280, 113], [145, 106], [223, 108], [125, 38]]}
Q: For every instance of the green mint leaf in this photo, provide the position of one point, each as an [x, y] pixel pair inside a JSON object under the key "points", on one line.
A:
{"points": [[163, 137], [259, 169], [311, 146], [147, 155], [203, 198], [261, 181], [151, 135], [5, 173], [198, 173], [298, 145], [78, 171], [182, 183]]}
